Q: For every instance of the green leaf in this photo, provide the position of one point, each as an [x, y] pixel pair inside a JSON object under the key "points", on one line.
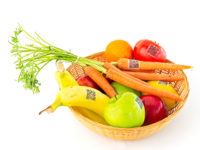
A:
{"points": [[33, 57]]}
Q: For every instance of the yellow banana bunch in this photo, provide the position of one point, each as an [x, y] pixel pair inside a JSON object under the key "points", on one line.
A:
{"points": [[71, 94]]}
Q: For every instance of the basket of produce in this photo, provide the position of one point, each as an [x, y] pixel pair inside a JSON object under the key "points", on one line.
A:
{"points": [[122, 93]]}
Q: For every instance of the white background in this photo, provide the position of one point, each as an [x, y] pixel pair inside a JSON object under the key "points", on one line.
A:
{"points": [[86, 27]]}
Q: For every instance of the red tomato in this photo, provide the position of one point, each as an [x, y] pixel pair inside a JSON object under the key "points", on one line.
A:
{"points": [[147, 50]]}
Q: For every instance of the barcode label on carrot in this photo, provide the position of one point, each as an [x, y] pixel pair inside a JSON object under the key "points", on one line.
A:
{"points": [[139, 102], [152, 50], [163, 83], [91, 95], [133, 64]]}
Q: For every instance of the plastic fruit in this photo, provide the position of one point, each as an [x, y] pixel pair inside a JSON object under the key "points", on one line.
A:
{"points": [[147, 50], [126, 111], [155, 109], [81, 96], [118, 49], [120, 89], [166, 87], [87, 81]]}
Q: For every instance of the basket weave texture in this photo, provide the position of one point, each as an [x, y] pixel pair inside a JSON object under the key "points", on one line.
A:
{"points": [[182, 88]]}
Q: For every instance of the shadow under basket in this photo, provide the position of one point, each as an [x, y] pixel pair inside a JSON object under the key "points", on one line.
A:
{"points": [[182, 88]]}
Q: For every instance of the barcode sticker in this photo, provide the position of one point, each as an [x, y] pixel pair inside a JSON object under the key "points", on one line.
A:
{"points": [[152, 50], [133, 64], [91, 95], [139, 102], [163, 83]]}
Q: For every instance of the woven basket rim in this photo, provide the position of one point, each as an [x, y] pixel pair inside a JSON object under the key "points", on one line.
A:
{"points": [[179, 107]]}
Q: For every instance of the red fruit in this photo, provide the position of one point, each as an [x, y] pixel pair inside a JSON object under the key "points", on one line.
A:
{"points": [[147, 50], [87, 81], [155, 109]]}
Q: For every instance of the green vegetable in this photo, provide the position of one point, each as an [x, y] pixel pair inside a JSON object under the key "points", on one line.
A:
{"points": [[31, 58]]}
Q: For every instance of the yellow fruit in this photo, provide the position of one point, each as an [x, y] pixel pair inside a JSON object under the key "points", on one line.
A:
{"points": [[81, 96], [118, 49], [91, 115], [166, 87], [65, 79]]}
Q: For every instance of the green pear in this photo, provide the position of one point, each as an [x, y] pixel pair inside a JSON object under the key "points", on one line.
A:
{"points": [[120, 89], [125, 111]]}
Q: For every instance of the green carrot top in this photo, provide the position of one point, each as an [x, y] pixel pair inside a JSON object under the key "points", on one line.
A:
{"points": [[31, 58]]}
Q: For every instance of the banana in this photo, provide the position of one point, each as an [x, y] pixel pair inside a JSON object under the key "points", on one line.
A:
{"points": [[91, 115], [81, 96], [90, 101], [64, 78]]}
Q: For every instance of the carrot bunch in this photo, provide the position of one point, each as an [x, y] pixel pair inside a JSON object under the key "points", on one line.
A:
{"points": [[131, 73]]}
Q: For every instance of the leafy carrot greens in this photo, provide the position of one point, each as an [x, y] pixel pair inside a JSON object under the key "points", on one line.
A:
{"points": [[31, 58]]}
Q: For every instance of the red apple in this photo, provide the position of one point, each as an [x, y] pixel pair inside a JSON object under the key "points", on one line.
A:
{"points": [[155, 109], [87, 81]]}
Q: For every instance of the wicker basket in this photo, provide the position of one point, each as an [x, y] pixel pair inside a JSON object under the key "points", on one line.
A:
{"points": [[182, 87]]}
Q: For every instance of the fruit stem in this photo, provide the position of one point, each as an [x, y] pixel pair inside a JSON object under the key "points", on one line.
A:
{"points": [[49, 110]]}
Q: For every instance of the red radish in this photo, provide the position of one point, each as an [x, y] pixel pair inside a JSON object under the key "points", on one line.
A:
{"points": [[87, 81], [147, 50], [155, 109]]}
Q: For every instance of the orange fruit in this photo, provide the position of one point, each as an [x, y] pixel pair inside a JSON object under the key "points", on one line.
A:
{"points": [[118, 49]]}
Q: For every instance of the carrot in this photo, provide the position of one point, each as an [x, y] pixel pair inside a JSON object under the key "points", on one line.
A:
{"points": [[110, 66], [100, 80], [144, 71], [131, 64], [155, 76], [125, 79]]}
